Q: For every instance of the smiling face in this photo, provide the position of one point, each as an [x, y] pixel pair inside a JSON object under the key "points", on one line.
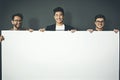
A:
{"points": [[17, 22], [58, 16], [99, 23]]}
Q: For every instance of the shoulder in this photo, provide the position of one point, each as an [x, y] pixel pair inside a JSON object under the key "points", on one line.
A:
{"points": [[68, 27], [50, 27]]}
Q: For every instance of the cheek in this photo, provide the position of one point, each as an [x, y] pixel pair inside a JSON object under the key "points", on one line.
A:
{"points": [[103, 24], [55, 18], [61, 17]]}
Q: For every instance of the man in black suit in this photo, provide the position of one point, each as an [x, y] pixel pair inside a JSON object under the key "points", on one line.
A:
{"points": [[59, 25]]}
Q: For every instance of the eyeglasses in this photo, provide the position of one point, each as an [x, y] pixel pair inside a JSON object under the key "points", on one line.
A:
{"points": [[17, 20], [100, 21]]}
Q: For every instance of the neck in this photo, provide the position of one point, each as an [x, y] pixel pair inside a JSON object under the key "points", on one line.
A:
{"points": [[59, 24], [15, 28], [99, 29]]}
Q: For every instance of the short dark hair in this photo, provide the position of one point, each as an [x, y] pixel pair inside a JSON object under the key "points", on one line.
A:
{"points": [[58, 9], [100, 16], [17, 14]]}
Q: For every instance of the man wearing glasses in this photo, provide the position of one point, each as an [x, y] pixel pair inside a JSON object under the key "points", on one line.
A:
{"points": [[17, 21], [99, 23]]}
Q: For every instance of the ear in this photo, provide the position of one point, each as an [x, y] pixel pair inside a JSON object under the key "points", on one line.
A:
{"points": [[12, 21]]}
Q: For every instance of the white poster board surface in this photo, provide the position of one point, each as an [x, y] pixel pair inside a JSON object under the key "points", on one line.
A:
{"points": [[60, 55]]}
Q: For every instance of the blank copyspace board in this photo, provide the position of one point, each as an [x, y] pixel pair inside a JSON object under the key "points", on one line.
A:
{"points": [[60, 55]]}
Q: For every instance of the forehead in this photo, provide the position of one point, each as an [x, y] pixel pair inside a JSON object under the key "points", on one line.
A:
{"points": [[58, 12], [17, 17], [100, 19]]}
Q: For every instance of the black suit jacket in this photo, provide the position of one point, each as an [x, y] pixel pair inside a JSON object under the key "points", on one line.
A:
{"points": [[52, 27]]}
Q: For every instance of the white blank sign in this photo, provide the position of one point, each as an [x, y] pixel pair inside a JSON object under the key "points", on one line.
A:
{"points": [[60, 55]]}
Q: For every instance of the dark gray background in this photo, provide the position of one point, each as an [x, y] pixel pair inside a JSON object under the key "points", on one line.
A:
{"points": [[78, 13]]}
